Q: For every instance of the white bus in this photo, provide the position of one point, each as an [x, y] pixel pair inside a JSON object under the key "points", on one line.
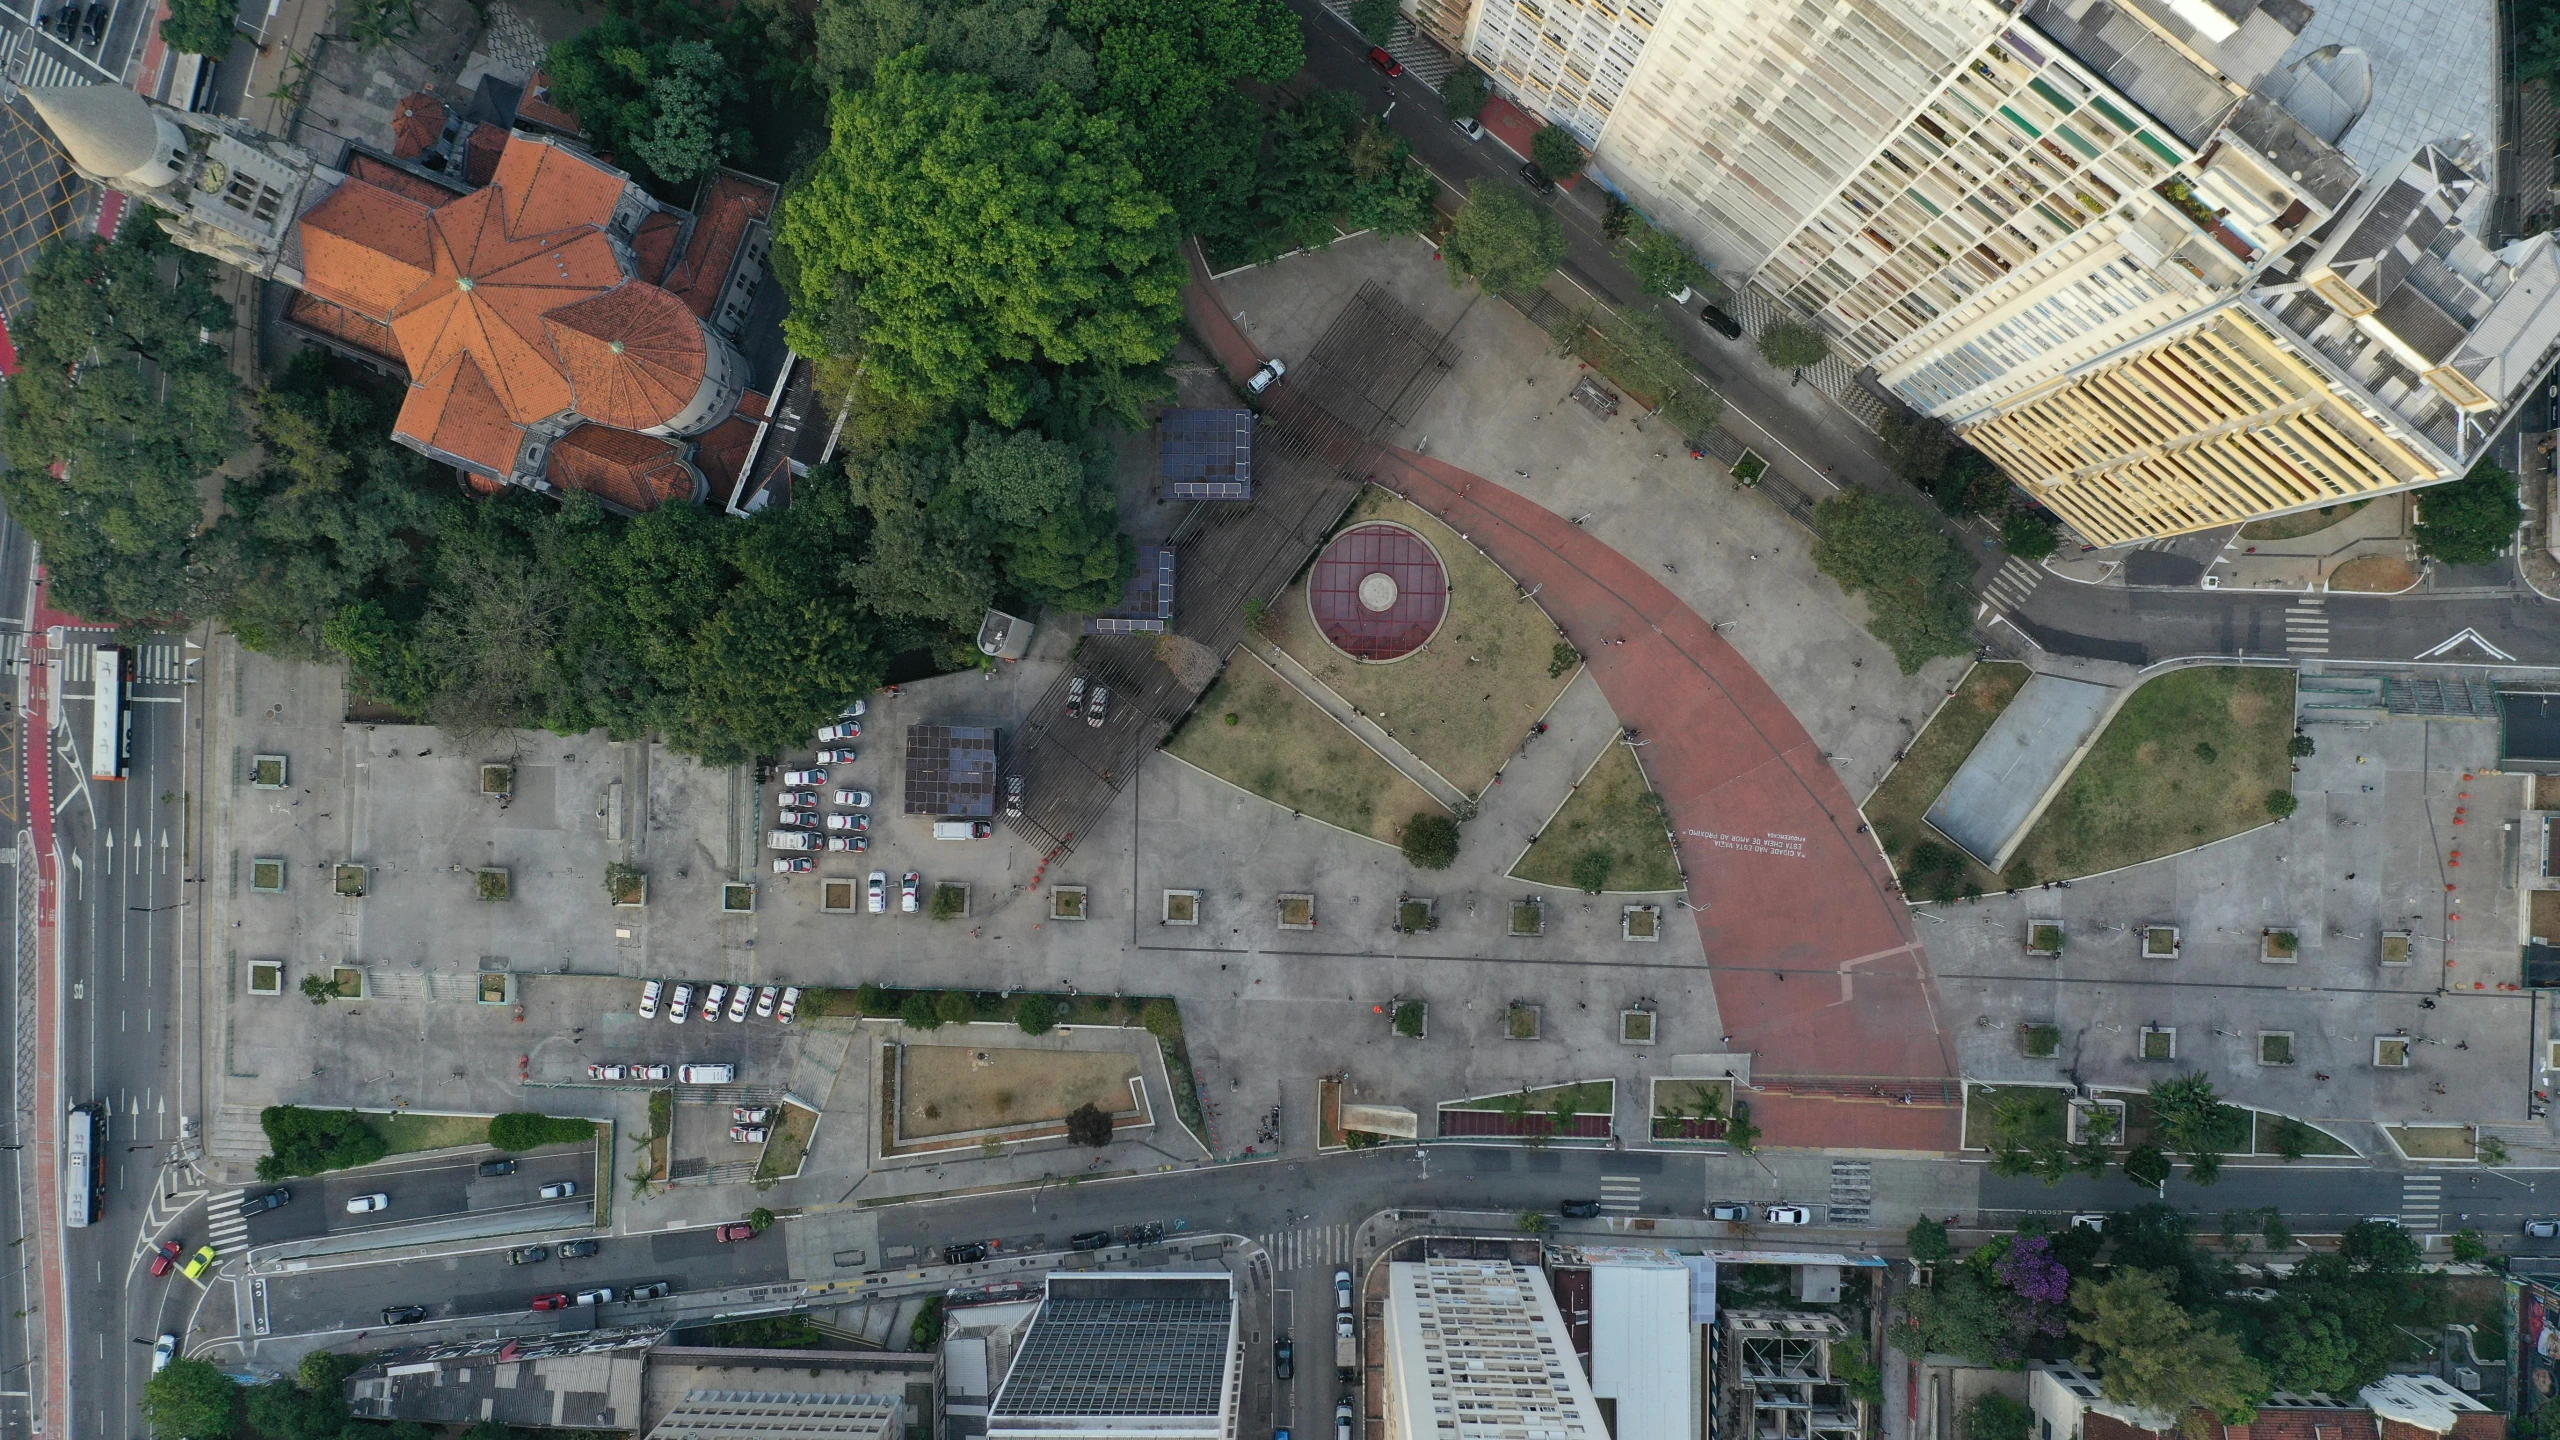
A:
{"points": [[84, 1188], [110, 715]]}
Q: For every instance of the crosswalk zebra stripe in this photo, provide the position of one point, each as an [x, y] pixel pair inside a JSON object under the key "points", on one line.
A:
{"points": [[1622, 1193], [1314, 1245]]}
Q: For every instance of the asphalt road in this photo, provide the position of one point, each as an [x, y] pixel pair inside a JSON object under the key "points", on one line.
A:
{"points": [[2313, 1201], [424, 1190], [123, 916], [349, 1295]]}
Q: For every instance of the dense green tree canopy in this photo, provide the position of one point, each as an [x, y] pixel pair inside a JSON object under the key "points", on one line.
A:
{"points": [[190, 1398], [2152, 1353], [1169, 68], [976, 236], [661, 84], [1792, 345], [1465, 92], [1502, 240], [1662, 265], [201, 27], [1018, 44], [2470, 521], [119, 405], [1890, 550], [1554, 150]]}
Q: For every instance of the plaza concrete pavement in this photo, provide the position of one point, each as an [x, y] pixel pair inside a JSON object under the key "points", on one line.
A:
{"points": [[2369, 850], [1791, 888]]}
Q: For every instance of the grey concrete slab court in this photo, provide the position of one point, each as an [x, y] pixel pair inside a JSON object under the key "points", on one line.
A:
{"points": [[2014, 771]]}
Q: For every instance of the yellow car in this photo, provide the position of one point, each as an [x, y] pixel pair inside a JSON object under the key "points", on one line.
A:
{"points": [[202, 1261]]}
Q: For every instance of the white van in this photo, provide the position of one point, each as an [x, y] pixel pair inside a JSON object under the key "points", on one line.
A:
{"points": [[706, 1074], [793, 840], [962, 829]]}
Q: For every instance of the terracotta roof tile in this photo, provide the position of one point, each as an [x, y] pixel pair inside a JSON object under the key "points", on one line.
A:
{"points": [[2324, 1424], [722, 452], [729, 206], [536, 106], [655, 244], [456, 411], [635, 472], [481, 151], [634, 356], [552, 188], [366, 247], [345, 326], [418, 127], [398, 181]]}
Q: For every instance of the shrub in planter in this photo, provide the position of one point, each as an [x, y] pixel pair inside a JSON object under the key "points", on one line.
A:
{"points": [[1431, 841], [524, 1130], [1037, 1014], [1409, 1018], [1088, 1125]]}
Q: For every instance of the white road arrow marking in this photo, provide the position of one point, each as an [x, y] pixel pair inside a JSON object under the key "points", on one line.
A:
{"points": [[2468, 635]]}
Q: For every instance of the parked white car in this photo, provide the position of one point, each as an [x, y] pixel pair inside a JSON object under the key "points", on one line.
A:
{"points": [[650, 990], [367, 1204], [712, 1000], [790, 1004], [854, 799], [841, 730], [798, 778], [853, 824], [848, 844], [842, 755], [739, 1002], [559, 1190], [765, 998], [1262, 379], [678, 1004], [1788, 1215], [879, 892]]}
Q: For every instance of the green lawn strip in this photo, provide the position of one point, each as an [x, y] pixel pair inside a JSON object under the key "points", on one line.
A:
{"points": [[1291, 753], [406, 1134], [1611, 812], [2042, 1113], [2145, 791], [1896, 806], [2316, 1140], [1597, 1097], [1462, 702]]}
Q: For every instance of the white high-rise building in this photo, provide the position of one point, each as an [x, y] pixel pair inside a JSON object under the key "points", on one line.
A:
{"points": [[1476, 1350]]}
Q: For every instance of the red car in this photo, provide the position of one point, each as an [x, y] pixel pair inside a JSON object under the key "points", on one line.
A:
{"points": [[1387, 64], [735, 1230], [550, 1302], [165, 1257]]}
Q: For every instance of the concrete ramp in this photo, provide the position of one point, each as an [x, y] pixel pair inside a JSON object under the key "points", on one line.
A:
{"points": [[2020, 765]]}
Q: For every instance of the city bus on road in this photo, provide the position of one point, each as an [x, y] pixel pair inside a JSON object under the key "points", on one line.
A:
{"points": [[84, 1176], [110, 715]]}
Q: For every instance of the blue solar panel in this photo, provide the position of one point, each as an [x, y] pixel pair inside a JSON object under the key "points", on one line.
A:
{"points": [[1206, 454]]}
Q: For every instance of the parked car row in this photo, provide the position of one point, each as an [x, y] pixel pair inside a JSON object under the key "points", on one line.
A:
{"points": [[910, 892], [804, 830], [776, 1002], [1095, 703]]}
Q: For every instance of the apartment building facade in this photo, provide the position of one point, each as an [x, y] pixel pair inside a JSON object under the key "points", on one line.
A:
{"points": [[1477, 1350]]}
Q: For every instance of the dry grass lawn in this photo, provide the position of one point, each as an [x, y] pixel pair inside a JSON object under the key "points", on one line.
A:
{"points": [[1290, 753], [2374, 575], [1463, 701], [947, 1089], [2308, 522], [2189, 759], [406, 1134], [789, 1141], [1912, 786], [1609, 812]]}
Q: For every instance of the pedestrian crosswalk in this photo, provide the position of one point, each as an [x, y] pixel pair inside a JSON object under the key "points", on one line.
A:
{"points": [[38, 60], [2306, 627], [1853, 1191], [2016, 581], [161, 664], [2422, 1203], [1622, 1194], [1316, 1245], [225, 1229]]}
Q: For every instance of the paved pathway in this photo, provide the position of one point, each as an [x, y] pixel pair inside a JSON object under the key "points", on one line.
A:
{"points": [[1818, 968]]}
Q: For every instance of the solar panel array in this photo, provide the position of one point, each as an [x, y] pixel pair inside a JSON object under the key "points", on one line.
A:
{"points": [[951, 770], [1205, 454], [1120, 1356], [1147, 608]]}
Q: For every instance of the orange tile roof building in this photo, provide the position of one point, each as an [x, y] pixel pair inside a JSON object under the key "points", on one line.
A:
{"points": [[559, 328]]}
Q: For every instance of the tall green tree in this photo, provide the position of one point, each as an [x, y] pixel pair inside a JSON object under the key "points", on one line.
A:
{"points": [[1169, 69], [691, 87], [190, 1398], [1465, 92], [1663, 265], [1913, 577], [661, 82], [1792, 345], [976, 238], [201, 27], [1555, 150], [1018, 44], [119, 406], [2190, 1118], [1502, 240], [2151, 1352], [2470, 521]]}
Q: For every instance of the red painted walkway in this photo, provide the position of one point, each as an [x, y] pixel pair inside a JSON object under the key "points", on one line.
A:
{"points": [[1817, 966]]}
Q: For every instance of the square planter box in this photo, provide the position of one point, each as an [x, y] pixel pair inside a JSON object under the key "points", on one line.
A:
{"points": [[737, 898], [497, 779], [1297, 912], [2275, 1047], [266, 977], [1638, 1027], [267, 772], [628, 888], [1416, 914], [1409, 1019], [266, 875], [2039, 1039], [2280, 945], [350, 981], [2395, 947], [933, 904], [492, 883], [349, 882], [2391, 1052], [2160, 1042], [839, 897], [1528, 918], [2087, 1119], [1520, 1022], [1182, 907], [1067, 902], [2159, 942], [497, 987], [1750, 468], [1640, 922], [2044, 937]]}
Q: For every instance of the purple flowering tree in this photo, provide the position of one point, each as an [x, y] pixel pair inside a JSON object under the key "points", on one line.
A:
{"points": [[2038, 1280]]}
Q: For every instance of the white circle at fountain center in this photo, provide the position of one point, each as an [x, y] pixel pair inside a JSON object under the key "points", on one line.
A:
{"points": [[1378, 591]]}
